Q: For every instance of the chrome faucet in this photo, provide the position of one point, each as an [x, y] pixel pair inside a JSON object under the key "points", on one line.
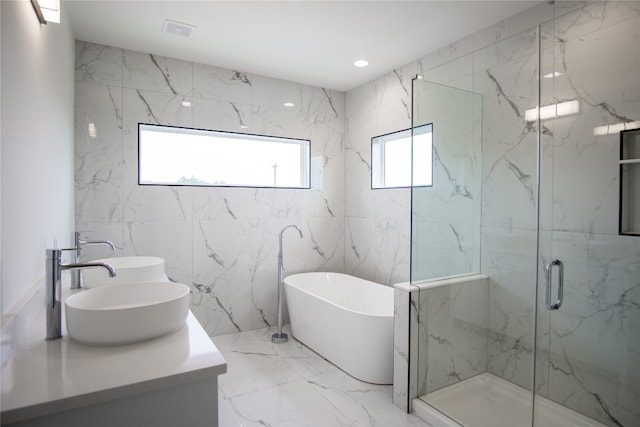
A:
{"points": [[280, 337], [53, 285], [76, 276]]}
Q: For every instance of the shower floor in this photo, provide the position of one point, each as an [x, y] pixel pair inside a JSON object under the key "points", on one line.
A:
{"points": [[488, 401]]}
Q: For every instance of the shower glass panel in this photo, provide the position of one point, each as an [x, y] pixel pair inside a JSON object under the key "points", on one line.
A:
{"points": [[453, 301], [446, 216]]}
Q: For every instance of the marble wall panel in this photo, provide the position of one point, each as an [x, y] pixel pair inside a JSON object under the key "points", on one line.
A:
{"points": [[359, 199], [99, 165], [508, 154], [148, 72], [451, 72], [221, 253], [320, 101], [391, 249], [98, 63], [221, 84], [453, 330], [212, 203], [360, 257], [220, 241], [447, 249], [221, 115], [170, 240], [327, 136], [378, 221]]}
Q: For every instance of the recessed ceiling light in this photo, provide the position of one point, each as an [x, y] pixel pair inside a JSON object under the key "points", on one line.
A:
{"points": [[360, 63], [186, 103], [289, 104]]}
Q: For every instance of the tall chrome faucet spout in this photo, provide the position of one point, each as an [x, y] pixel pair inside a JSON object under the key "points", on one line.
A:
{"points": [[54, 268], [91, 264], [280, 337]]}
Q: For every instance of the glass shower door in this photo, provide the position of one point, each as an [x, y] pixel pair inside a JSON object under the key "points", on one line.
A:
{"points": [[588, 323]]}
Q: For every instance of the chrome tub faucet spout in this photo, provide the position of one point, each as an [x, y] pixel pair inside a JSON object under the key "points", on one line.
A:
{"points": [[54, 268]]}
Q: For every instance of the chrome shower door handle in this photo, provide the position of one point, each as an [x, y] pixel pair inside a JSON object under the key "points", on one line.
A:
{"points": [[548, 273]]}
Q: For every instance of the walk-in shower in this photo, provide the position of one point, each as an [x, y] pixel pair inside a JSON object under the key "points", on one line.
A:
{"points": [[522, 198]]}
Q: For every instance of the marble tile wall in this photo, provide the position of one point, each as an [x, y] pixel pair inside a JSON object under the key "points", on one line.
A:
{"points": [[452, 330], [377, 222], [220, 241]]}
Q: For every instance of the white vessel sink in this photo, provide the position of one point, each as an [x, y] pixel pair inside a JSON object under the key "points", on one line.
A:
{"points": [[128, 269], [126, 313]]}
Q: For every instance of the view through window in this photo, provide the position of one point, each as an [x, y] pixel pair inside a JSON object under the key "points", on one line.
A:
{"points": [[391, 158], [169, 155]]}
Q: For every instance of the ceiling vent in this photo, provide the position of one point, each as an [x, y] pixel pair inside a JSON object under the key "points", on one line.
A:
{"points": [[178, 28]]}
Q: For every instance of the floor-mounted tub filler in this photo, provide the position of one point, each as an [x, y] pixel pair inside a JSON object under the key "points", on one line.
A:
{"points": [[280, 337], [345, 319]]}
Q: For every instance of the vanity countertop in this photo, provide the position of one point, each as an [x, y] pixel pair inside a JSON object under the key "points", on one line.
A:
{"points": [[45, 377]]}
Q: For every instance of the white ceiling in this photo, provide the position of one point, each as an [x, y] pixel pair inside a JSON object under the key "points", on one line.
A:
{"points": [[312, 42]]}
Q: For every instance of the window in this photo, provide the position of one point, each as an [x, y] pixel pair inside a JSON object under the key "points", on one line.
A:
{"points": [[391, 158], [170, 155]]}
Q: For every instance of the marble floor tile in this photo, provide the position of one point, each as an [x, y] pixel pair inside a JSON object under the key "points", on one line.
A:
{"points": [[292, 404], [288, 384], [363, 403]]}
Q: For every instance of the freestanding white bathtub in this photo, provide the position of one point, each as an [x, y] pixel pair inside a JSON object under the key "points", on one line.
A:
{"points": [[347, 320]]}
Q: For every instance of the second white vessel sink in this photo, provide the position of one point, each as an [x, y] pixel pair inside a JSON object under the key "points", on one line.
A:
{"points": [[128, 269], [126, 313]]}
